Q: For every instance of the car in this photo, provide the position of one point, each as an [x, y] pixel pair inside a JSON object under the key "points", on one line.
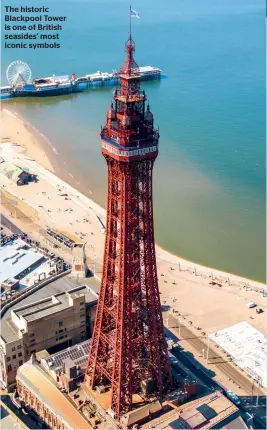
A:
{"points": [[232, 396], [170, 343], [248, 416], [174, 360], [251, 305], [176, 347], [259, 311]]}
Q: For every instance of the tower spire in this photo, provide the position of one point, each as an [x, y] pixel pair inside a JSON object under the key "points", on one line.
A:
{"points": [[129, 67], [130, 35]]}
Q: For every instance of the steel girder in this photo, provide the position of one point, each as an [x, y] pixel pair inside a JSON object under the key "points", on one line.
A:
{"points": [[128, 344]]}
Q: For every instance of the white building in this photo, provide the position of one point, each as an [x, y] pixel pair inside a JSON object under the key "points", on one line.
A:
{"points": [[247, 346]]}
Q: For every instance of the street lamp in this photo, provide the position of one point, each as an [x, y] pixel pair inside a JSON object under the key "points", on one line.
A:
{"points": [[258, 392], [179, 321], [208, 347], [173, 303]]}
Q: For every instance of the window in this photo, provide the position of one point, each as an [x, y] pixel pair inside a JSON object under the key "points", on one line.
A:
{"points": [[31, 335], [60, 323], [82, 332], [13, 349], [32, 340], [9, 368], [8, 359], [14, 357], [20, 354], [20, 362], [19, 347], [60, 331]]}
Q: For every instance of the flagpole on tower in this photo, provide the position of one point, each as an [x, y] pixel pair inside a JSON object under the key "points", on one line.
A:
{"points": [[130, 22]]}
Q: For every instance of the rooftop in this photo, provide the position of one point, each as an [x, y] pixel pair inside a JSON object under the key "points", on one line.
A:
{"points": [[53, 304], [77, 353], [145, 69], [14, 260], [141, 413], [43, 308], [247, 346], [204, 413], [236, 423], [38, 382]]}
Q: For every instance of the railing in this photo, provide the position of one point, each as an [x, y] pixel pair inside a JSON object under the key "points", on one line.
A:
{"points": [[132, 139], [128, 93]]}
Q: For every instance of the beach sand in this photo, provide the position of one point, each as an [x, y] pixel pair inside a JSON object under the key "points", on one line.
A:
{"points": [[183, 284], [14, 129]]}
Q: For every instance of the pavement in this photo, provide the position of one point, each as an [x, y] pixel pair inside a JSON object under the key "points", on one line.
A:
{"points": [[8, 421], [8, 226], [12, 416]]}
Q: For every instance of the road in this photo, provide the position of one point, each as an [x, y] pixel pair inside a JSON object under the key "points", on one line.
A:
{"points": [[221, 363], [227, 368], [8, 224], [26, 419]]}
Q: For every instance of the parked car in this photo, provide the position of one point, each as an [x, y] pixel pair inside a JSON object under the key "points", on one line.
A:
{"points": [[251, 305], [233, 397], [248, 416], [259, 311]]}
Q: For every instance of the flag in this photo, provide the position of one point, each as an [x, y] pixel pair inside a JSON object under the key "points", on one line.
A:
{"points": [[134, 14]]}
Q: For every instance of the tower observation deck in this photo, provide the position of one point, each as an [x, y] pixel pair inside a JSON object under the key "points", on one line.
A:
{"points": [[128, 350]]}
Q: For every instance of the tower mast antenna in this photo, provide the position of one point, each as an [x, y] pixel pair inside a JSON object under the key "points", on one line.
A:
{"points": [[130, 22]]}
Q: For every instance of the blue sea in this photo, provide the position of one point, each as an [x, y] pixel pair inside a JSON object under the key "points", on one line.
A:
{"points": [[209, 179]]}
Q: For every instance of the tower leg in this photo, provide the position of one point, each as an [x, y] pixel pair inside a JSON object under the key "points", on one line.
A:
{"points": [[128, 347]]}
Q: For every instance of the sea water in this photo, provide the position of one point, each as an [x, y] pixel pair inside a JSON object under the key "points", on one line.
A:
{"points": [[209, 178]]}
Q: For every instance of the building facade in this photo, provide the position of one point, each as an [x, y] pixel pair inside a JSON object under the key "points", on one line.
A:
{"points": [[40, 395], [58, 321]]}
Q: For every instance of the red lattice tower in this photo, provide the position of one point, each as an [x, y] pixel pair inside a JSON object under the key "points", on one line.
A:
{"points": [[128, 348]]}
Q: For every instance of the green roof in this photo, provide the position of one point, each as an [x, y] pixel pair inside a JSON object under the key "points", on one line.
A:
{"points": [[10, 171], [26, 169]]}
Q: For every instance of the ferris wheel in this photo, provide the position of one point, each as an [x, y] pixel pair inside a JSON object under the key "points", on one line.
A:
{"points": [[17, 72]]}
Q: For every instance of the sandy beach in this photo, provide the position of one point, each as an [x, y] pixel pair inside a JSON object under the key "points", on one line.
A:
{"points": [[183, 284]]}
